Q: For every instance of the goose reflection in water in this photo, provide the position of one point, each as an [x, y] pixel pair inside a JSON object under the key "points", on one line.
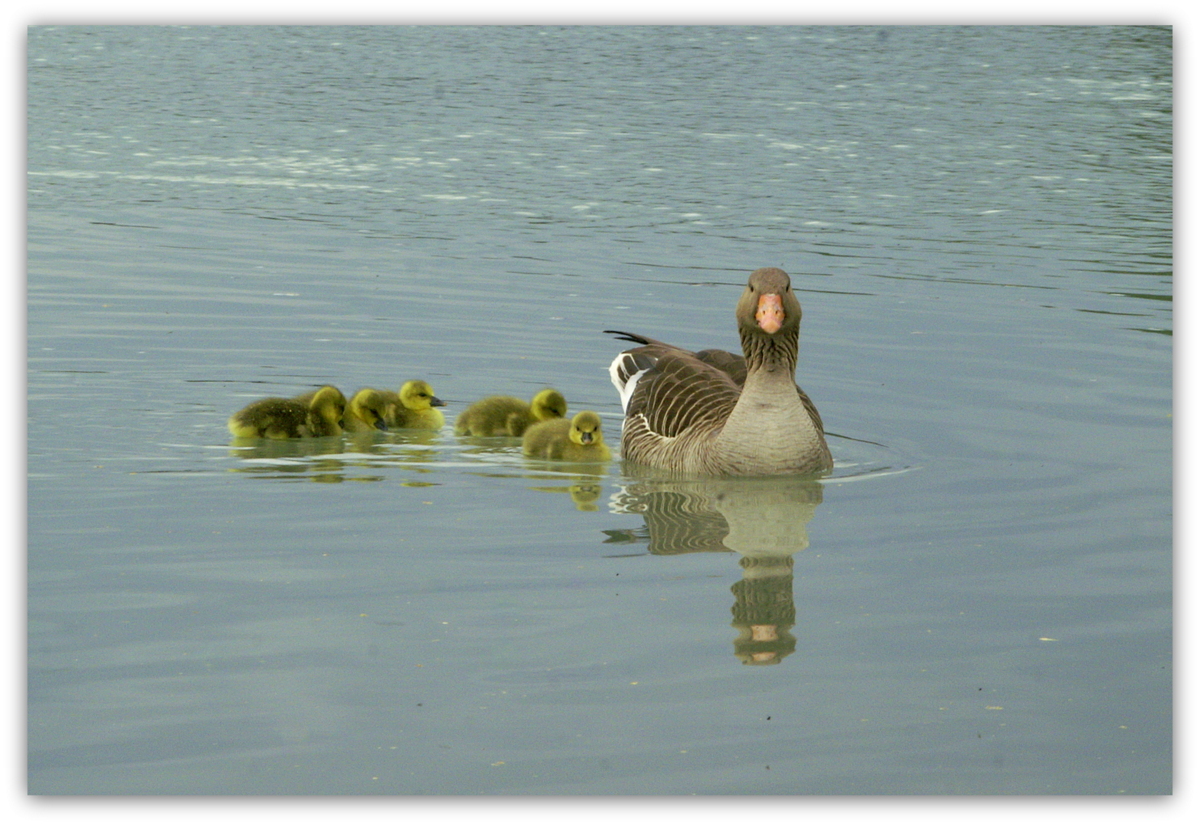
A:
{"points": [[764, 520]]}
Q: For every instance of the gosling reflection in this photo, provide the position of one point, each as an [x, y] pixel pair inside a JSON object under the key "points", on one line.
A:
{"points": [[584, 493], [308, 459], [377, 442], [763, 520], [352, 456]]}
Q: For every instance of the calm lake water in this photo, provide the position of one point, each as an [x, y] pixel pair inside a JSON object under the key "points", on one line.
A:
{"points": [[978, 222]]}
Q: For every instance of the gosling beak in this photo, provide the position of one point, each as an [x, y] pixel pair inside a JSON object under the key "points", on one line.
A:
{"points": [[434, 401], [770, 313], [380, 424], [585, 438]]}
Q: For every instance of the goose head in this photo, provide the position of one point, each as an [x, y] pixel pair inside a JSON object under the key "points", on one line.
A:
{"points": [[768, 316], [548, 404], [585, 429], [329, 405], [368, 405], [418, 396]]}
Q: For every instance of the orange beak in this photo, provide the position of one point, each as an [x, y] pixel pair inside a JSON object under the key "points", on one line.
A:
{"points": [[770, 312]]}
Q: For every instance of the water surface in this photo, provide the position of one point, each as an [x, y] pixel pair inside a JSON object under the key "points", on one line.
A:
{"points": [[977, 222]]}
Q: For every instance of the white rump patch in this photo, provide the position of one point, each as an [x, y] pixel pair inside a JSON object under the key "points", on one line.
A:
{"points": [[624, 374]]}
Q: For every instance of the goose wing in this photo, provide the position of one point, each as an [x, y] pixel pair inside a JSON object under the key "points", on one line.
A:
{"points": [[650, 354], [732, 365], [666, 390]]}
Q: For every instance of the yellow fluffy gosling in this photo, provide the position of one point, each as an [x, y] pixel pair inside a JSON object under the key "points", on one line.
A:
{"points": [[367, 411], [579, 439], [310, 415], [501, 415], [415, 407]]}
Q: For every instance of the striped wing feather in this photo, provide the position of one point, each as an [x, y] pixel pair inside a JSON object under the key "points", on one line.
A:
{"points": [[712, 372], [681, 392]]}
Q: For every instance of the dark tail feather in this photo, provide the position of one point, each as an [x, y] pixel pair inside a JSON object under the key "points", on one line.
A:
{"points": [[628, 336]]}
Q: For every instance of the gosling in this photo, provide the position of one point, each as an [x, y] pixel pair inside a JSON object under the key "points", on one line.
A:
{"points": [[414, 407], [579, 439], [309, 415], [366, 412], [504, 415]]}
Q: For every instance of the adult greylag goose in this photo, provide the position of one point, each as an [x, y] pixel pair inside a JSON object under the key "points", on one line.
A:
{"points": [[309, 415], [579, 439], [414, 407], [712, 413], [506, 415]]}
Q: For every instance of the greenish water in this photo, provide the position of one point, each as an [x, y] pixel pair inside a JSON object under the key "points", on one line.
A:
{"points": [[977, 222]]}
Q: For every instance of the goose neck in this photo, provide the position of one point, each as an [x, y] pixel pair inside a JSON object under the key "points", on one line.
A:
{"points": [[770, 355]]}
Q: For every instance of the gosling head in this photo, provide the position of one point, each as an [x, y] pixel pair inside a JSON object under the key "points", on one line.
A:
{"points": [[368, 405], [418, 395], [329, 404], [548, 404], [585, 429]]}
